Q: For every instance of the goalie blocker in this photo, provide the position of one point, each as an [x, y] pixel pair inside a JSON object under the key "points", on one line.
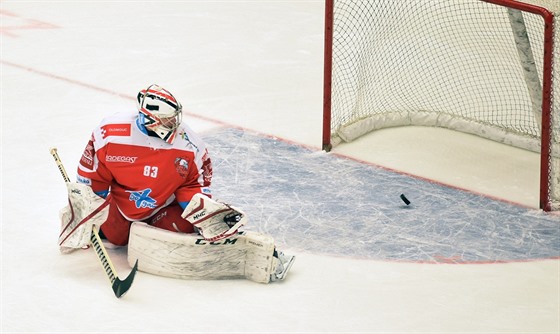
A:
{"points": [[249, 255]]}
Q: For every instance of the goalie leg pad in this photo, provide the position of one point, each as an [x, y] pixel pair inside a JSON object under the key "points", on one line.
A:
{"points": [[188, 256]]}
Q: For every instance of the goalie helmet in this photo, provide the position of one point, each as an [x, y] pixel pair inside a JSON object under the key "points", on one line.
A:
{"points": [[160, 112]]}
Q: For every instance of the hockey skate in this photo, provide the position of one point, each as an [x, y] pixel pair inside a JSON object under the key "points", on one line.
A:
{"points": [[284, 263]]}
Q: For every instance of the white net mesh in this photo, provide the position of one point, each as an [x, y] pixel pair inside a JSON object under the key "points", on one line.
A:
{"points": [[467, 65]]}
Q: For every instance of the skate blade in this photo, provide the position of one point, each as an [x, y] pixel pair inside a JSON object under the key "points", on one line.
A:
{"points": [[287, 266]]}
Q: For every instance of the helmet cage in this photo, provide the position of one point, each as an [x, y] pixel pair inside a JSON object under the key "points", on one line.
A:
{"points": [[161, 111]]}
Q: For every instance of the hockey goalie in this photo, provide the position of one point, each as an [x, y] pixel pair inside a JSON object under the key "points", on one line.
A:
{"points": [[144, 181]]}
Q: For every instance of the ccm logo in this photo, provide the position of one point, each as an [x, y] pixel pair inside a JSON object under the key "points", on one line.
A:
{"points": [[221, 242]]}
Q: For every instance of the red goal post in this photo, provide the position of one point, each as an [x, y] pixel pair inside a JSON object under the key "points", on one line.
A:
{"points": [[485, 67]]}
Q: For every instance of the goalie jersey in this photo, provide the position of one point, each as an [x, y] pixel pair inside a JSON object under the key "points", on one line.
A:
{"points": [[144, 173]]}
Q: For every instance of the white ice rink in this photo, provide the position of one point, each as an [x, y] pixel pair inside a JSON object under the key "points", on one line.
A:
{"points": [[253, 66]]}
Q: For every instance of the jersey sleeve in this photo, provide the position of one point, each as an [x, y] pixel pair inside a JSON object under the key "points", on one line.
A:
{"points": [[92, 170], [198, 181]]}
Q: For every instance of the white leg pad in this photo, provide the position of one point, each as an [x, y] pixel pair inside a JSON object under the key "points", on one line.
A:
{"points": [[189, 256]]}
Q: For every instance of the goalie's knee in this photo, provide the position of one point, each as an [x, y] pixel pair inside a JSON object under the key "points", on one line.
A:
{"points": [[169, 218], [116, 228]]}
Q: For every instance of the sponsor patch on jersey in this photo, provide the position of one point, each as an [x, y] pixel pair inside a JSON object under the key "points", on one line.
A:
{"points": [[115, 130], [186, 138], [84, 180], [120, 158], [182, 167], [142, 199], [87, 156]]}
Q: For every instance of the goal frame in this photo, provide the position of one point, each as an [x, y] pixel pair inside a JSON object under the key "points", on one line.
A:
{"points": [[547, 79]]}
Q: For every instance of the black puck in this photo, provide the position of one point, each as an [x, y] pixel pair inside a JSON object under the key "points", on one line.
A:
{"points": [[404, 199]]}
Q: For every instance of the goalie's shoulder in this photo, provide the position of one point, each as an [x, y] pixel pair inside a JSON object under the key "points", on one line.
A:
{"points": [[118, 118], [188, 140], [119, 125]]}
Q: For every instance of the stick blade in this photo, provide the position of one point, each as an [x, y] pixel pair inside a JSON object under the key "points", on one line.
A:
{"points": [[121, 287]]}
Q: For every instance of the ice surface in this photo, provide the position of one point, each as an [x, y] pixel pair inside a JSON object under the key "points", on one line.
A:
{"points": [[249, 75], [328, 204]]}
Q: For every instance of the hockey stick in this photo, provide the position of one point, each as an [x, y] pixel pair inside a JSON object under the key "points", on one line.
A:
{"points": [[120, 287]]}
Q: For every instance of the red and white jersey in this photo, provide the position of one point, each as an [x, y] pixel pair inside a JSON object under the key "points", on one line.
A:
{"points": [[142, 172]]}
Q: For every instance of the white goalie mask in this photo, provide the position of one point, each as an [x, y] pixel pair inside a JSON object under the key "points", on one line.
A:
{"points": [[160, 111]]}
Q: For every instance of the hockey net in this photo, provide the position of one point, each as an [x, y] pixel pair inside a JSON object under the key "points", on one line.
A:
{"points": [[489, 68]]}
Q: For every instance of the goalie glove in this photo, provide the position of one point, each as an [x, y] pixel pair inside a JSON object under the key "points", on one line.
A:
{"points": [[84, 210], [214, 220]]}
